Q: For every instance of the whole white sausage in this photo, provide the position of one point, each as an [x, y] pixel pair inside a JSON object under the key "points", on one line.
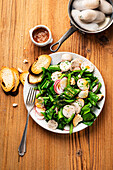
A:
{"points": [[87, 26], [105, 7], [90, 15], [105, 23], [85, 4]]}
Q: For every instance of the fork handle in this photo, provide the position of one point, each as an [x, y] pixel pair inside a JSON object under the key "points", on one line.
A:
{"points": [[22, 147]]}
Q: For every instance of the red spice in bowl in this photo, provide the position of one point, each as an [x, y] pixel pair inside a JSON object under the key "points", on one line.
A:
{"points": [[40, 35]]}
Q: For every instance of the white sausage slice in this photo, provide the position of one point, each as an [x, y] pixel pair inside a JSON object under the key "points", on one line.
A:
{"points": [[90, 67], [77, 119], [80, 102], [100, 96], [76, 64], [83, 94], [65, 66], [83, 84], [77, 107], [68, 110], [52, 124], [66, 57], [56, 75]]}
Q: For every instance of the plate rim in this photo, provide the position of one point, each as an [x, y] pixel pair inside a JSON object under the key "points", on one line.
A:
{"points": [[80, 128]]}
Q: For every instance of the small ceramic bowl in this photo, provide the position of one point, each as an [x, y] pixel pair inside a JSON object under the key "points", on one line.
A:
{"points": [[50, 39]]}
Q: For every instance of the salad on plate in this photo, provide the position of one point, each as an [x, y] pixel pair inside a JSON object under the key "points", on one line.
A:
{"points": [[68, 93]]}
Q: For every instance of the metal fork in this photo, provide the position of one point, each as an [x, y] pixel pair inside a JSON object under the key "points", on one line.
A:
{"points": [[30, 104]]}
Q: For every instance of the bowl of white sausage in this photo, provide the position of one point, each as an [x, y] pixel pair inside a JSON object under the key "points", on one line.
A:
{"points": [[87, 16]]}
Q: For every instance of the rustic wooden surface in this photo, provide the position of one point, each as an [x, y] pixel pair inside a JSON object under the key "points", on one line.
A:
{"points": [[90, 149]]}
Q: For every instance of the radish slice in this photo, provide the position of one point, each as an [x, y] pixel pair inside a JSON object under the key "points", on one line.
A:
{"points": [[56, 109], [63, 83], [66, 128], [56, 87], [95, 88], [60, 85], [37, 114]]}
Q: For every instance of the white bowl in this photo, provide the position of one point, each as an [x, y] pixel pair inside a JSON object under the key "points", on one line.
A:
{"points": [[50, 40]]}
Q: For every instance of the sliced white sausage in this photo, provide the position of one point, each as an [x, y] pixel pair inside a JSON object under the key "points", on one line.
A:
{"points": [[66, 57], [87, 26], [68, 110], [77, 107], [56, 75], [52, 124], [90, 67], [72, 81], [105, 23], [100, 96], [83, 94], [80, 102], [83, 84], [77, 119], [65, 66], [85, 4], [105, 7], [90, 15], [76, 64]]}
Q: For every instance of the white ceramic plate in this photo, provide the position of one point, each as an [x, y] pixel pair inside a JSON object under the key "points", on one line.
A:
{"points": [[56, 58]]}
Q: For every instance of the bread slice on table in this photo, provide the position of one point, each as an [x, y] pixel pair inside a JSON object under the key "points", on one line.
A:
{"points": [[7, 79], [32, 79], [23, 76], [43, 61], [16, 76]]}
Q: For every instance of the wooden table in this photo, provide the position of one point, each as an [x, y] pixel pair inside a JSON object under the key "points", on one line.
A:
{"points": [[90, 149]]}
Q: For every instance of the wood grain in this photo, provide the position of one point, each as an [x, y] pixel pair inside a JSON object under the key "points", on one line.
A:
{"points": [[90, 149]]}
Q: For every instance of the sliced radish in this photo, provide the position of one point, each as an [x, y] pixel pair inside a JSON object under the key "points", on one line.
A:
{"points": [[37, 114], [90, 67], [95, 88], [63, 83], [83, 94], [83, 84], [57, 89], [60, 85], [56, 109]]}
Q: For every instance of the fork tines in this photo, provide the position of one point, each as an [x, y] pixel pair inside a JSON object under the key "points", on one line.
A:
{"points": [[31, 96]]}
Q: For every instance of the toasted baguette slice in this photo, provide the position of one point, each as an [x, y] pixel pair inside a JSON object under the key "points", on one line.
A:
{"points": [[7, 79], [32, 79], [23, 76], [43, 61], [16, 76]]}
